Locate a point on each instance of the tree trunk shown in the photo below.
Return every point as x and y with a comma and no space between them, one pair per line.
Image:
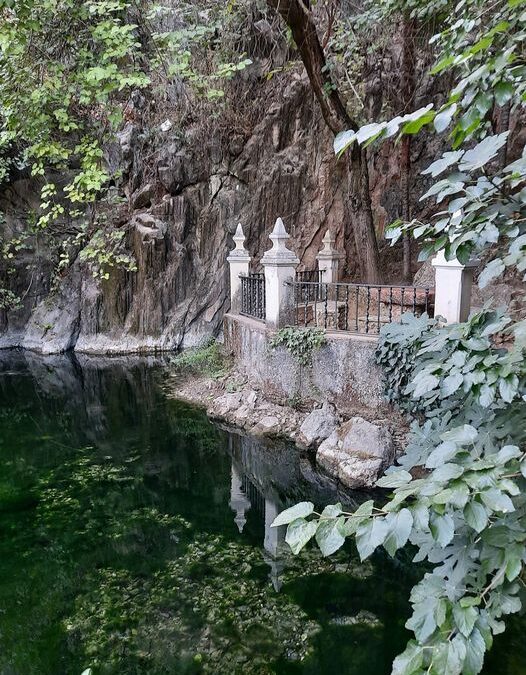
297,15
408,86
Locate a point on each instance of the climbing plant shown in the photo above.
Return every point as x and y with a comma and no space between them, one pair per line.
300,342
458,491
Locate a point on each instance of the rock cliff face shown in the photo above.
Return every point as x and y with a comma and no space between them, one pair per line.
185,198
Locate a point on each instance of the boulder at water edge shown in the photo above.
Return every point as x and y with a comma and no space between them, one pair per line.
357,453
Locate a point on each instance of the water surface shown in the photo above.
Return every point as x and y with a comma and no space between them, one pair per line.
134,538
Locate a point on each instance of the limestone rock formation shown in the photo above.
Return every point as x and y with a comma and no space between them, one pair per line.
318,425
357,453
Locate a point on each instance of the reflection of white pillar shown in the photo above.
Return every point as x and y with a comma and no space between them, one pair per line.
273,543
239,261
280,267
329,259
239,502
453,283
274,536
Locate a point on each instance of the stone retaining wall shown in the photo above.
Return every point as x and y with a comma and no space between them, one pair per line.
343,371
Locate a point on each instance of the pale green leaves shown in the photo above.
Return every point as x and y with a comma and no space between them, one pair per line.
329,535
410,661
442,529
483,152
448,657
399,525
370,535
394,479
406,124
497,500
465,618
299,533
301,510
476,515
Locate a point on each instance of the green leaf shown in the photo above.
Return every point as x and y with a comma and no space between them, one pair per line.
299,533
394,479
301,510
424,384
440,165
370,535
483,152
447,472
400,525
497,500
476,515
508,388
465,618
475,649
503,92
492,270
508,452
444,117
351,524
463,435
329,537
332,511
442,529
448,657
410,661
451,384
441,454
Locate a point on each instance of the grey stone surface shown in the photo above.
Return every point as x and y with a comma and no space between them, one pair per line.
318,425
357,453
343,371
267,425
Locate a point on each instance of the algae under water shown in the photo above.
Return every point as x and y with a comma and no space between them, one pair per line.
135,538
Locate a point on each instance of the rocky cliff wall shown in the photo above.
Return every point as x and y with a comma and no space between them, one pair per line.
185,195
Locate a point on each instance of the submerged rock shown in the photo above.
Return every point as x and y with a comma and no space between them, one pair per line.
357,453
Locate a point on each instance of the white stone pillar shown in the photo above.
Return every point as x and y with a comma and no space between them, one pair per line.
453,282
239,261
280,267
329,259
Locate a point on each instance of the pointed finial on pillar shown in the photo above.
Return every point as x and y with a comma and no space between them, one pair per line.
329,259
279,253
239,263
239,252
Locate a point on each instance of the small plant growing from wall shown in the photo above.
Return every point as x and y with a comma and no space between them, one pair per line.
208,360
300,342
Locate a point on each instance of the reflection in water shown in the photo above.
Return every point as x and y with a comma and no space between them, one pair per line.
135,538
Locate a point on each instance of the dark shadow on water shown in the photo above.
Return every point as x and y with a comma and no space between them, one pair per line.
135,538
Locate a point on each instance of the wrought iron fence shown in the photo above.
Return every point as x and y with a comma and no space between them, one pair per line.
357,308
253,295
308,283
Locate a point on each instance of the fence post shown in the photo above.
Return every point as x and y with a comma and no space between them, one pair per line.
280,267
329,259
453,283
239,262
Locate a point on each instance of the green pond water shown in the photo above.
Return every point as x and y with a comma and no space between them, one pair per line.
134,538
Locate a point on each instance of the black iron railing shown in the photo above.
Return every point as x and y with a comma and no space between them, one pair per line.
357,308
253,295
308,283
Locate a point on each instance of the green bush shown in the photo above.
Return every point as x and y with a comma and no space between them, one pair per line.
208,359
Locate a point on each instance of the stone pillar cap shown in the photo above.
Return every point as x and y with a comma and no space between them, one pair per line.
328,252
239,253
279,254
